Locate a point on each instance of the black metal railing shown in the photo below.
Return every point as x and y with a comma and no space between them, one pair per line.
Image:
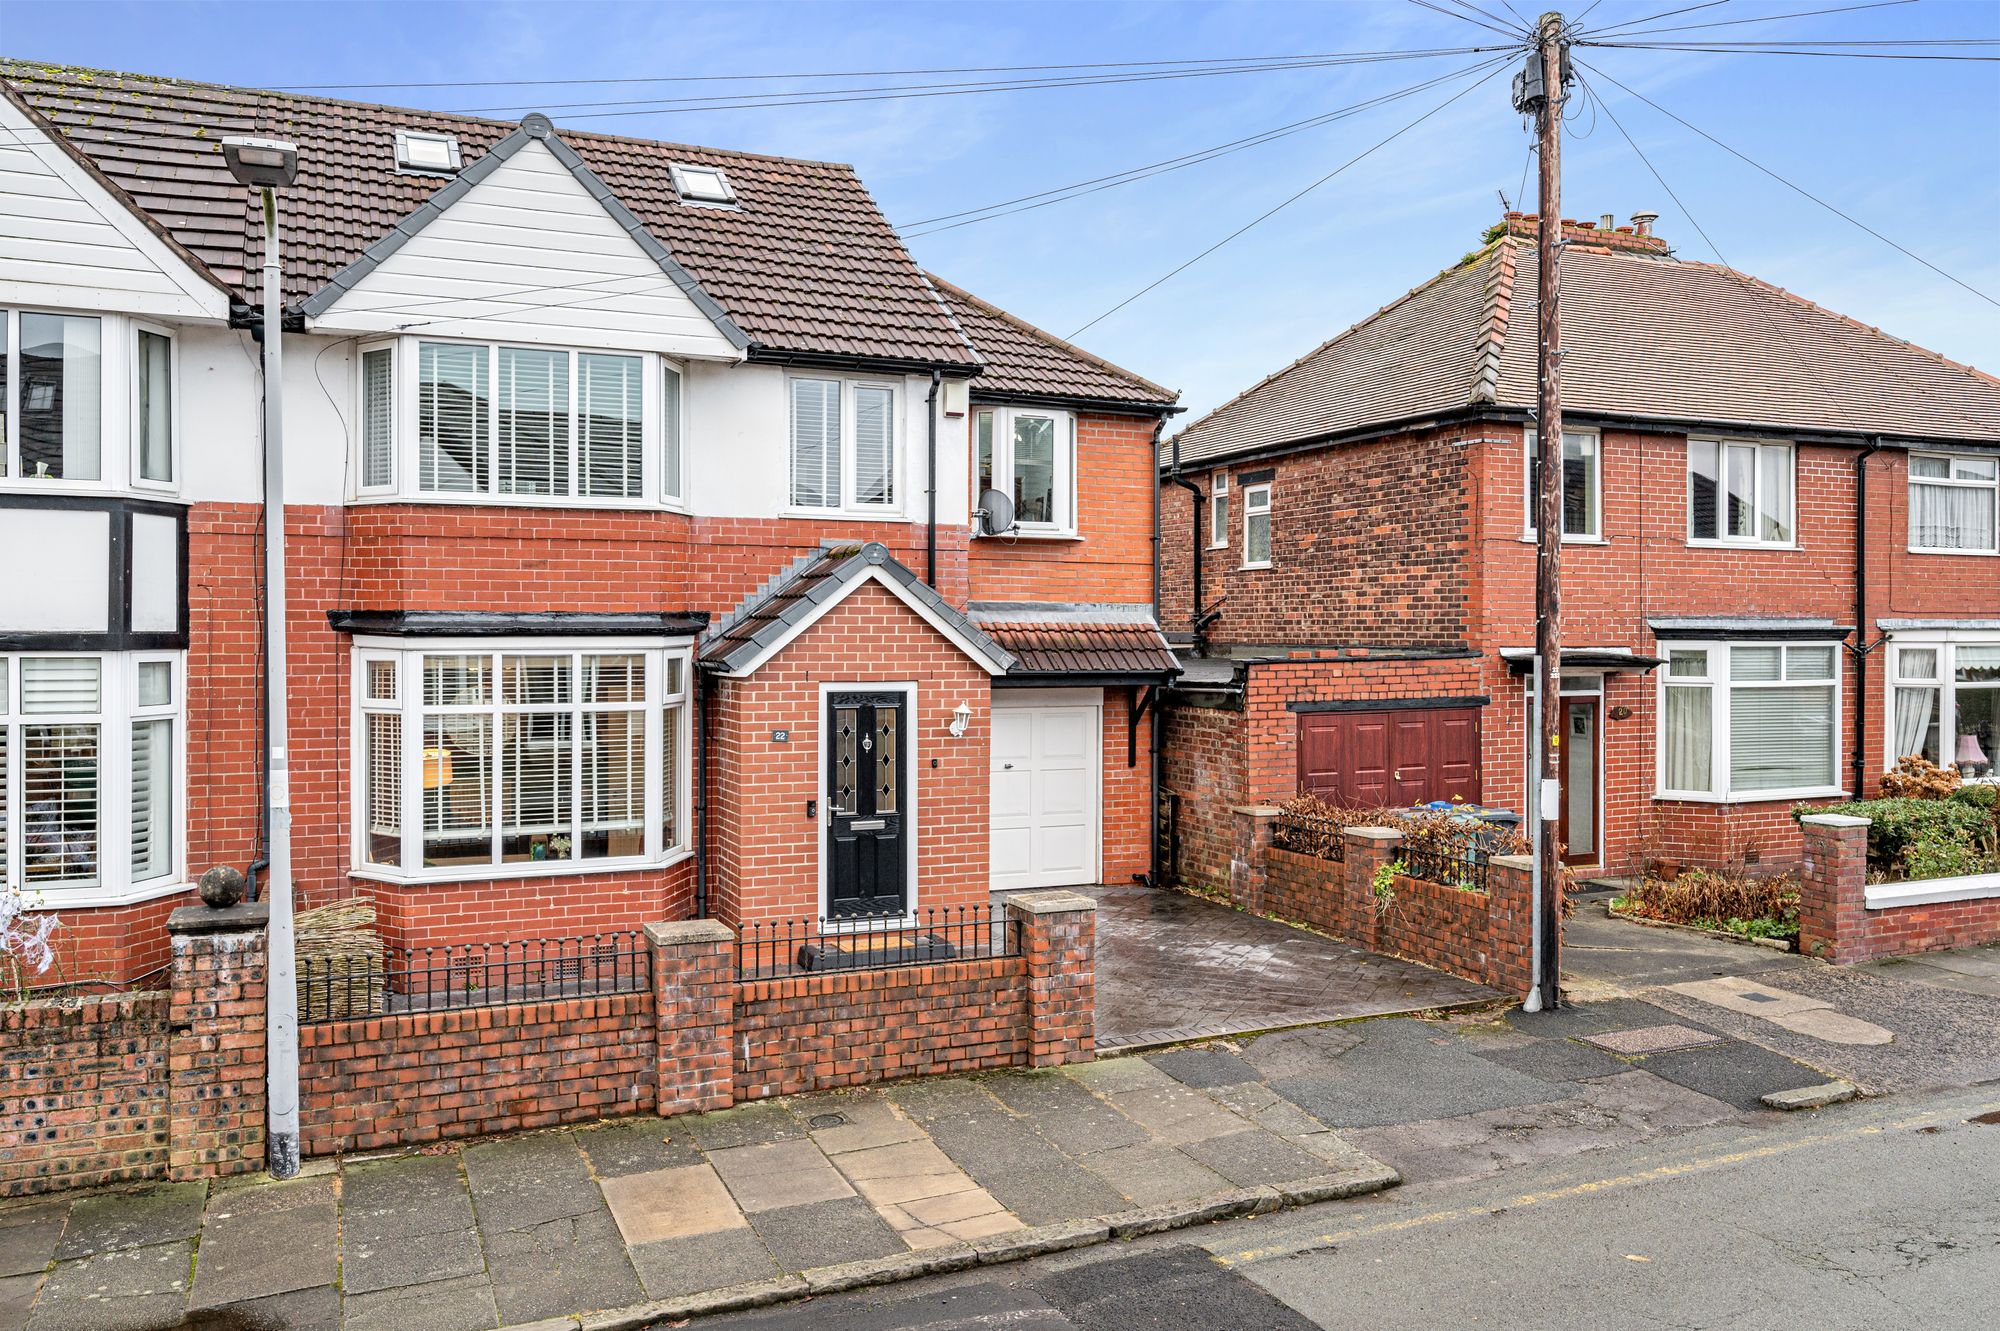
770,949
473,975
1454,861
1315,834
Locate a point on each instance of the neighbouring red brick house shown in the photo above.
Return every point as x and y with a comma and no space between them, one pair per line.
1779,566
636,570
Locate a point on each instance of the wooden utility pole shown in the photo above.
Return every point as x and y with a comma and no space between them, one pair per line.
1552,50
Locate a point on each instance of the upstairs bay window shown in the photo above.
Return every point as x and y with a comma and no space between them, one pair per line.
844,452
87,402
1583,486
1945,705
91,775
1740,493
1955,503
1029,454
1749,721
529,759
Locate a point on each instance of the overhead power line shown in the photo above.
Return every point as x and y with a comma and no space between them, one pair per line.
1500,28
1653,18
1796,189
1766,50
1287,202
1767,18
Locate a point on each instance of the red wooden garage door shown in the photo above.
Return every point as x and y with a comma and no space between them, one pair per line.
1404,755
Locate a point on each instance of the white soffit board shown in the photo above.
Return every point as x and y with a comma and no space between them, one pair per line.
156,553
74,546
67,241
526,254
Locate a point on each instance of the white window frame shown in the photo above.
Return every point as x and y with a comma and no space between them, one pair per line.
1266,510
1218,510
405,166
136,460
1719,684
673,428
116,456
1528,497
849,506
1953,482
1945,643
397,432
118,708
408,654
680,171
406,464
1722,538
1064,482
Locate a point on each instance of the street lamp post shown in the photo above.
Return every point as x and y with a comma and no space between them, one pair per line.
268,165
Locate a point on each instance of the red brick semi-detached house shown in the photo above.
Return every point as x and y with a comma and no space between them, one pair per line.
632,504
1779,564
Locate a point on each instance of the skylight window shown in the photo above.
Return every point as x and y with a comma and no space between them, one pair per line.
427,154
702,184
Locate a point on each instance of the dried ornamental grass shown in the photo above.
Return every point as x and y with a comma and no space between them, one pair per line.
340,961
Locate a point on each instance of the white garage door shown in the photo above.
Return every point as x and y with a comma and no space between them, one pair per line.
1045,776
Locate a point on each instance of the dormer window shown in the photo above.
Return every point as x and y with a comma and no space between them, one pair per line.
426,154
702,184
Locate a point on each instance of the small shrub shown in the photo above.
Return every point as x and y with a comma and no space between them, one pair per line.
1922,838
1706,897
1916,777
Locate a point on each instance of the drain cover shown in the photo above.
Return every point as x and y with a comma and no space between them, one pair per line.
826,1120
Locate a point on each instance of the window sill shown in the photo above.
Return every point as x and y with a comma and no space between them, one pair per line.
1752,796
1971,554
1251,568
83,898
480,873
1530,538
1694,544
522,501
846,514
1017,534
17,485
1932,891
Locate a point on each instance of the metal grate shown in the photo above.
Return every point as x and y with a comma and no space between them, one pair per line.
473,975
1455,863
775,948
1314,834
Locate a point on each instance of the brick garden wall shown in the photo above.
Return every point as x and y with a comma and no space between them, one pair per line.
83,1092
1202,763
1836,922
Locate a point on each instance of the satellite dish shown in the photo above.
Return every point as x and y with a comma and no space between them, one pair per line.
995,512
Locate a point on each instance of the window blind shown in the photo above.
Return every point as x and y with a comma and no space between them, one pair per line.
156,407
1780,738
533,424
55,684
609,404
453,426
62,396
670,432
874,446
614,783
383,801
377,418
670,781
536,762
59,803
152,799
816,443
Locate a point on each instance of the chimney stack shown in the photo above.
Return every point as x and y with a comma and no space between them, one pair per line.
1642,223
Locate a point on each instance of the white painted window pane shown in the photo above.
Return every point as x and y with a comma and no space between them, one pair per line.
874,446
1756,663
1739,464
1780,738
1916,723
615,678
6,822
377,418
60,780
1774,494
1035,469
1704,490
6,395
670,779
1952,517
534,681
152,799
614,784
156,407
1809,663
610,410
383,801
1579,497
533,399
456,681
1976,665
1917,662
1690,737
815,443
1978,730
1257,537
983,433
537,765
1688,663
382,681
156,683
51,684
671,425
1976,469
61,396
1926,465
453,428
458,790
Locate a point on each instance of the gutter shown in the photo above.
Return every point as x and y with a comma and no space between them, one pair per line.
1862,650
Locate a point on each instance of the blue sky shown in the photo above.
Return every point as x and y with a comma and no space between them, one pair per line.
1910,147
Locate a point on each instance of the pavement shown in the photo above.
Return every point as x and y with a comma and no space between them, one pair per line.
1173,967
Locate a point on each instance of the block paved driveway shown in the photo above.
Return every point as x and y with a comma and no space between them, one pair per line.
1173,967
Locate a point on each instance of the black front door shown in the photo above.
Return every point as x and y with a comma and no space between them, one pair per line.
866,859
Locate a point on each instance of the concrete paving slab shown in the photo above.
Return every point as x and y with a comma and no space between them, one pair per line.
1203,1067
1064,1112
774,1174
293,1311
640,1145
1118,1074
28,1236
1152,1174
950,1209
743,1125
409,1259
700,1262
1653,1105
826,1234
1834,1027
1747,996
268,1240
566,1265
1812,1097
1177,1115
385,1200
1248,1159
1007,1157
1733,1072
523,1181
464,1304
670,1204
126,1289
902,1171
1553,1060
868,1119
17,1298
132,1218
1651,1039
1406,1071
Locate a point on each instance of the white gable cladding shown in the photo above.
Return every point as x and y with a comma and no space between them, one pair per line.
527,254
67,241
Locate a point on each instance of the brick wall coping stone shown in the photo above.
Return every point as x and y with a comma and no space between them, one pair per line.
1836,820
1931,891
1525,863
243,917
1382,834
1051,901
1257,810
669,932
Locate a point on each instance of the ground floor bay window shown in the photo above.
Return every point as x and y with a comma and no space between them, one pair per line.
1749,721
481,760
1944,703
91,776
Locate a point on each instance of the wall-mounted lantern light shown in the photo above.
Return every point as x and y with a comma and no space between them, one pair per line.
961,717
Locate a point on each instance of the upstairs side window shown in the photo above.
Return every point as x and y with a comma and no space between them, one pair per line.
845,451
1218,511
1582,485
1954,503
53,381
1257,526
1030,455
1740,493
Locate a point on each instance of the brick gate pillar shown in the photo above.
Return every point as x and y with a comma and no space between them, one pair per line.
1059,944
694,994
1510,924
1367,850
1253,826
215,1041
1833,903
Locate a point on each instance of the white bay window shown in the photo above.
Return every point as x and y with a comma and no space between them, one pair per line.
1945,703
1029,454
529,757
1749,721
91,776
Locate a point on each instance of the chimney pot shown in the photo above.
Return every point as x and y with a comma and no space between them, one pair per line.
1642,223
1606,222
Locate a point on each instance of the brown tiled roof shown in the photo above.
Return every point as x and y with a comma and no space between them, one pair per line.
1086,649
806,263
1643,336
1021,358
